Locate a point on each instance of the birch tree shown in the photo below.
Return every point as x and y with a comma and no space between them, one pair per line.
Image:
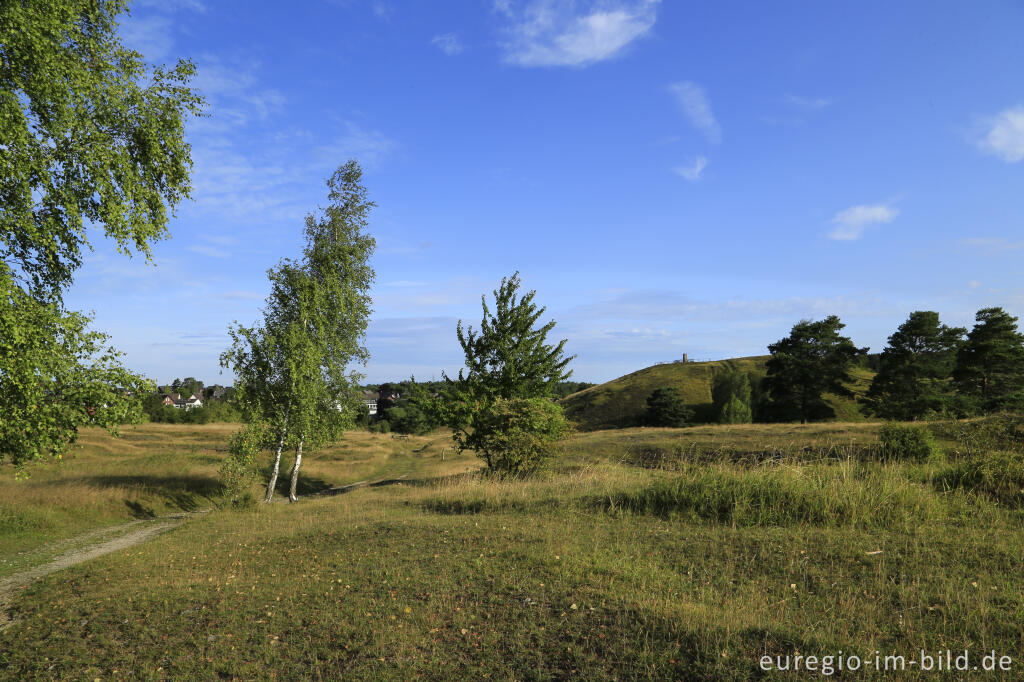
292,370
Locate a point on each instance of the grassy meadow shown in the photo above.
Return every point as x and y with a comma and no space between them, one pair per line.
639,553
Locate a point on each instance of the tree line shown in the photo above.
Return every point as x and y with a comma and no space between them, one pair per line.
926,370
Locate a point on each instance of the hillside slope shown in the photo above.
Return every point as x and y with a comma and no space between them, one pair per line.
621,402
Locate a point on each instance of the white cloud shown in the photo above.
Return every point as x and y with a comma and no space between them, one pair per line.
448,43
849,224
693,171
208,251
808,103
554,33
1005,135
697,107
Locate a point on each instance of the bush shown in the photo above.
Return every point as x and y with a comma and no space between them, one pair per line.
735,411
903,442
515,437
239,473
997,475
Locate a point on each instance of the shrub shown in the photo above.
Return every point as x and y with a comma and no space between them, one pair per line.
239,473
515,437
735,411
908,442
997,475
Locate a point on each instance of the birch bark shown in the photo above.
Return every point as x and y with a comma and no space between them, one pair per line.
295,470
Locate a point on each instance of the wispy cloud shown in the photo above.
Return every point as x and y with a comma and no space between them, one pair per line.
557,33
448,43
694,102
849,224
208,251
993,243
1004,135
693,171
808,103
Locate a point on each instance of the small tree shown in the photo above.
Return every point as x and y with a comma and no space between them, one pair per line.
666,407
812,360
990,365
914,369
735,412
731,389
292,370
509,368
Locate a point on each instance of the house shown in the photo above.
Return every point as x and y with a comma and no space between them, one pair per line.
370,399
179,401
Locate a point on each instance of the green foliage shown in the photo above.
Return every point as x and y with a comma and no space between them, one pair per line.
239,473
507,360
990,365
515,437
975,436
91,136
413,412
666,407
908,442
914,370
55,376
812,360
291,371
997,475
731,397
735,412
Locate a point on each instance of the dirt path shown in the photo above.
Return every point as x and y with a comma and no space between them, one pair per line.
11,584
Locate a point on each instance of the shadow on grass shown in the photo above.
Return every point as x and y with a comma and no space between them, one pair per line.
184,492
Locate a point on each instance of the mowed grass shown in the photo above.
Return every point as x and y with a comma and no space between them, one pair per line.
598,569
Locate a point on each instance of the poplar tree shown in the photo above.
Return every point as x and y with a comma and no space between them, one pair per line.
292,370
914,369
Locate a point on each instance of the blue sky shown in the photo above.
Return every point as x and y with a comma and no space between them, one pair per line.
670,177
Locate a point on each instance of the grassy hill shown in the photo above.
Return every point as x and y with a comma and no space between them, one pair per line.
621,402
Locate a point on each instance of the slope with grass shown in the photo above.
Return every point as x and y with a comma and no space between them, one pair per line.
621,403
605,567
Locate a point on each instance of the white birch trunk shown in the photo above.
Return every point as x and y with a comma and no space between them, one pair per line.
277,467
295,470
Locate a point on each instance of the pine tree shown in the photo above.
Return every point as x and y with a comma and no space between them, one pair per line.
915,367
990,365
813,360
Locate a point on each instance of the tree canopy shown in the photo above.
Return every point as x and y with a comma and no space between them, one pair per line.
914,369
507,360
292,370
813,360
90,137
990,364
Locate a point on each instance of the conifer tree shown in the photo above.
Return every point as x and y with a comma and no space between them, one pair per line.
813,360
510,371
915,367
989,368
